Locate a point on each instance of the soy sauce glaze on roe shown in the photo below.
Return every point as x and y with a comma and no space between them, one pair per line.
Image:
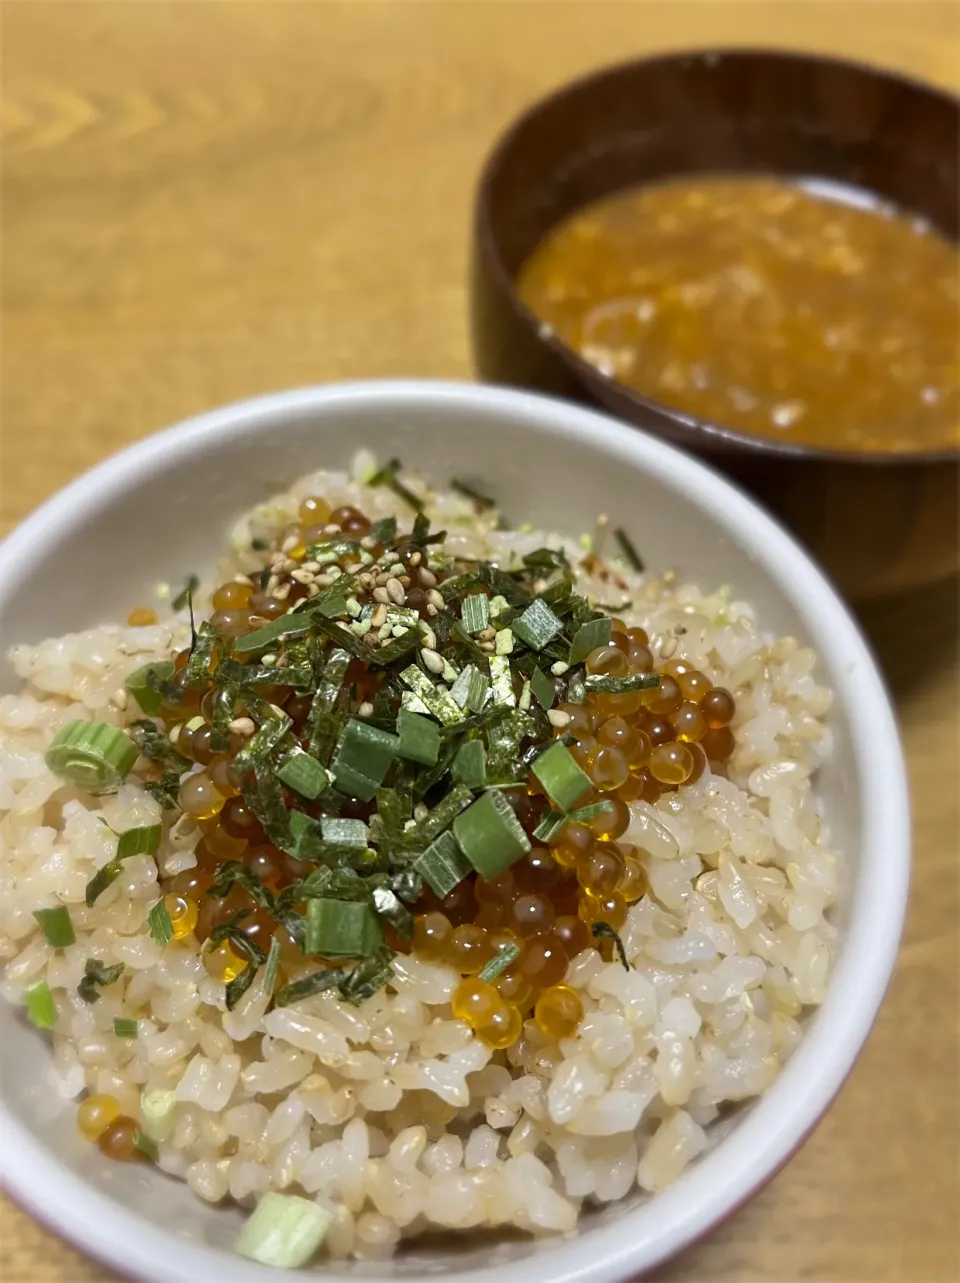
403,751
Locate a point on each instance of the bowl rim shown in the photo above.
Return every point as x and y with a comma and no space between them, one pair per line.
719,437
779,1121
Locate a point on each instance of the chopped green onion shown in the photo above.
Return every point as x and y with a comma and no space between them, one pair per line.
499,962
138,684
630,554
144,840
620,685
477,691
343,832
388,906
97,975
362,758
490,835
56,926
185,596
388,476
41,1011
538,625
146,1145
551,822
325,553
385,531
92,756
603,930
443,865
542,561
474,613
303,773
391,651
273,963
470,492
576,688
437,699
161,928
561,776
317,982
341,929
156,1112
286,626
470,764
544,691
419,738
125,1028
103,878
284,1231
589,636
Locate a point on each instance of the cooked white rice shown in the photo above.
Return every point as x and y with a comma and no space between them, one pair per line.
392,1115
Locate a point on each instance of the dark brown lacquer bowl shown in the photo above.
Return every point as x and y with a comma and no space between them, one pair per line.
877,523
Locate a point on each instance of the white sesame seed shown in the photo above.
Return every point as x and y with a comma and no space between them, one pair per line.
313,590
556,718
273,583
241,726
365,709
381,579
559,668
398,568
268,661
487,646
432,610
312,566
371,639
368,542
434,598
174,734
282,592
331,528
487,634
432,660
119,698
669,648
365,578
415,559
379,616
243,579
324,581
429,638
289,543
427,577
302,576
420,811
404,580
381,595
395,591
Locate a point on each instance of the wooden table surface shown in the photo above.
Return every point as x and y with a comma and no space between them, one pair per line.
208,200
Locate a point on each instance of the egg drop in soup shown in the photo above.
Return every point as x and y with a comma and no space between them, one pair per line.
804,313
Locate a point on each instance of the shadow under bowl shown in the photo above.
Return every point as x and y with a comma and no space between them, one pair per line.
878,523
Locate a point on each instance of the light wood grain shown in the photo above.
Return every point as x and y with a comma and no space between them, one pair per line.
204,201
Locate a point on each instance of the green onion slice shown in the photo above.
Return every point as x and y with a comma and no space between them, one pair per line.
92,756
98,975
41,1011
286,626
538,625
342,929
603,930
389,476
344,832
471,492
362,758
490,835
284,1231
141,684
544,690
56,926
470,764
500,962
419,738
589,636
125,1028
185,596
161,928
303,773
474,613
443,865
630,554
273,963
561,776
144,840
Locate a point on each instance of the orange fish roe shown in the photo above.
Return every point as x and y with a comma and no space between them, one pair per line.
141,617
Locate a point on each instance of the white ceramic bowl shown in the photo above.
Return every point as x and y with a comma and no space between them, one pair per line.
160,510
